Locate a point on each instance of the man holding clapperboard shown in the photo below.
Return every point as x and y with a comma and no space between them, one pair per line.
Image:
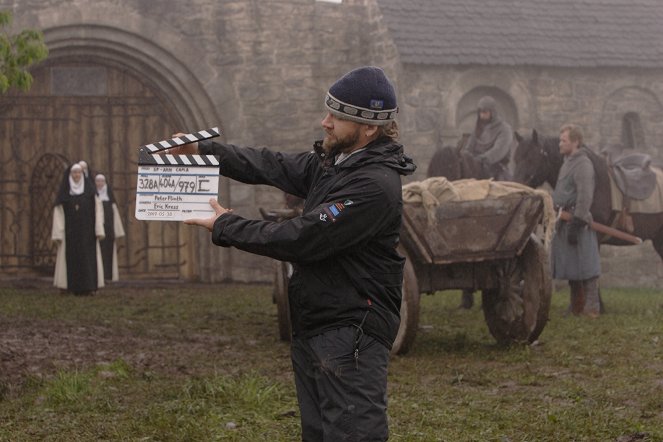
345,292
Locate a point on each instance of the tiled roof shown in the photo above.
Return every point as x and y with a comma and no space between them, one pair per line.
567,33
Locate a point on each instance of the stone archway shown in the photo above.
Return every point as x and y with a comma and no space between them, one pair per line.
509,87
642,109
98,99
151,63
86,110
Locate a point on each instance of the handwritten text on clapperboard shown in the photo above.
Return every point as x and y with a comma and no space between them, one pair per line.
175,193
176,187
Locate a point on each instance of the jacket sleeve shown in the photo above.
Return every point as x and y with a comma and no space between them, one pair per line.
345,222
291,173
501,147
583,177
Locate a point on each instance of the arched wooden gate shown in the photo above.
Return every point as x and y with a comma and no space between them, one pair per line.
82,111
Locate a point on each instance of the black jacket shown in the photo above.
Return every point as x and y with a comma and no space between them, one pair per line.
343,247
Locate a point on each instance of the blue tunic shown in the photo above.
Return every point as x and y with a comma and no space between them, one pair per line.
573,192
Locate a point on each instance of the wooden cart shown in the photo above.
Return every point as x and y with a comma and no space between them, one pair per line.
488,245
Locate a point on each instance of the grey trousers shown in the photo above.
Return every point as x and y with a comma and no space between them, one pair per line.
341,397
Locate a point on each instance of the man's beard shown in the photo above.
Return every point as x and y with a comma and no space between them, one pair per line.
335,146
481,124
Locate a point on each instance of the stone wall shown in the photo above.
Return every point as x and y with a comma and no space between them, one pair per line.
544,99
259,70
597,99
256,68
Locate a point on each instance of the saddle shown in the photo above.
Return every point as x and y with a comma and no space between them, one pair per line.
636,180
634,176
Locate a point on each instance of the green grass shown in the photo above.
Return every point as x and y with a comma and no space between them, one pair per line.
204,363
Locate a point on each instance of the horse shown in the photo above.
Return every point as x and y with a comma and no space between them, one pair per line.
455,163
537,161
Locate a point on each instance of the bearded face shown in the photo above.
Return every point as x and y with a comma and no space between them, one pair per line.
337,141
485,115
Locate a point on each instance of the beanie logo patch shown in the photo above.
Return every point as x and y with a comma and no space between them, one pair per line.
377,104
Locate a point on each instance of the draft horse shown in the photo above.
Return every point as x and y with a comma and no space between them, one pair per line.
455,163
537,161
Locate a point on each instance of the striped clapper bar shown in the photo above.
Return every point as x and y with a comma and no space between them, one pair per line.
176,187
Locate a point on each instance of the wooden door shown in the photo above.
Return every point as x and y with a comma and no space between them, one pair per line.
92,112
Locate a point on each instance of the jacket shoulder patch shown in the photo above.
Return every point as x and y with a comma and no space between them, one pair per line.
333,211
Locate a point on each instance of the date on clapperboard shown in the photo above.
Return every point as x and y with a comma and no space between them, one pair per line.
176,187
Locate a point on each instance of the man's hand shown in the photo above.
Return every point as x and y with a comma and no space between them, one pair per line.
575,225
483,162
185,149
208,223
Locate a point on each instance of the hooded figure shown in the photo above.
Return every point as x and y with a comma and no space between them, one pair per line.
492,140
490,144
112,227
77,226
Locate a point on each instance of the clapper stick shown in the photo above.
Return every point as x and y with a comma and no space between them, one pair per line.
176,187
150,149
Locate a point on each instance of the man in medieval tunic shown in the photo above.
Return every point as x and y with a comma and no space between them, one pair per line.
112,227
490,144
77,226
575,252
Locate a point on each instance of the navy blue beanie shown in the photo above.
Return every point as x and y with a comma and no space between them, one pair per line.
364,95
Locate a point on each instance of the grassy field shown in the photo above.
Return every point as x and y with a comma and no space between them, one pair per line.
203,363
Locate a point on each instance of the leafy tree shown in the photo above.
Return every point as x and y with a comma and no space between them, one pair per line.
17,53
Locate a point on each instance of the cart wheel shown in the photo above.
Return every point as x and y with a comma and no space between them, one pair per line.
283,273
407,330
517,311
539,266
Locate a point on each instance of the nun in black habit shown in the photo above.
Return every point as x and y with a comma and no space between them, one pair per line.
78,225
112,226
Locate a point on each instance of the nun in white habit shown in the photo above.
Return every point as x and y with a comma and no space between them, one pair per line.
112,226
78,225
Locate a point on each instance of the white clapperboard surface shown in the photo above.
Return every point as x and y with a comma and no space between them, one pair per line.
176,187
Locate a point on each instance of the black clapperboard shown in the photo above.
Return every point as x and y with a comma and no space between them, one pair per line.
176,187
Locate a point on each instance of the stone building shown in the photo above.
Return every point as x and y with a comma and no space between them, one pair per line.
122,74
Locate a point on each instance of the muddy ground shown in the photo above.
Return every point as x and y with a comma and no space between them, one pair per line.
38,348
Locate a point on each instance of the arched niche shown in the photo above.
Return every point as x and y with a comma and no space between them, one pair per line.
466,111
632,116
